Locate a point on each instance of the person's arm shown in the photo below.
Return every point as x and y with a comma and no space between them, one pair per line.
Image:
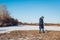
43,23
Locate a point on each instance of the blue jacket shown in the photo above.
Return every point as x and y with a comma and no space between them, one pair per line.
41,22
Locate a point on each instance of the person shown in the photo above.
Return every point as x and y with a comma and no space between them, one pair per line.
41,24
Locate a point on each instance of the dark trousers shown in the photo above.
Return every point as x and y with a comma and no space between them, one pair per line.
41,28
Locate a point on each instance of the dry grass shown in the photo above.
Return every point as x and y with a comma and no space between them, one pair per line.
30,35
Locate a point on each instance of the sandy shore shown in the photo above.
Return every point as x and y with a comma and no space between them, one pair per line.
30,35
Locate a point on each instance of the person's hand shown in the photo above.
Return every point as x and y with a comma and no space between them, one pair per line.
44,24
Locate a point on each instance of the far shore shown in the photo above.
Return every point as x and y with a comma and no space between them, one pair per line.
37,24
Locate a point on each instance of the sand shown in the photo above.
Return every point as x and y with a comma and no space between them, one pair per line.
30,35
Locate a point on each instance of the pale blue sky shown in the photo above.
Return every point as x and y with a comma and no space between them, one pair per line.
31,10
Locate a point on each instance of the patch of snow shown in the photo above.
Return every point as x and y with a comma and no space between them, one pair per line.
12,28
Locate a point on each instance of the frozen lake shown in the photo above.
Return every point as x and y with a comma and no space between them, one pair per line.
8,29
